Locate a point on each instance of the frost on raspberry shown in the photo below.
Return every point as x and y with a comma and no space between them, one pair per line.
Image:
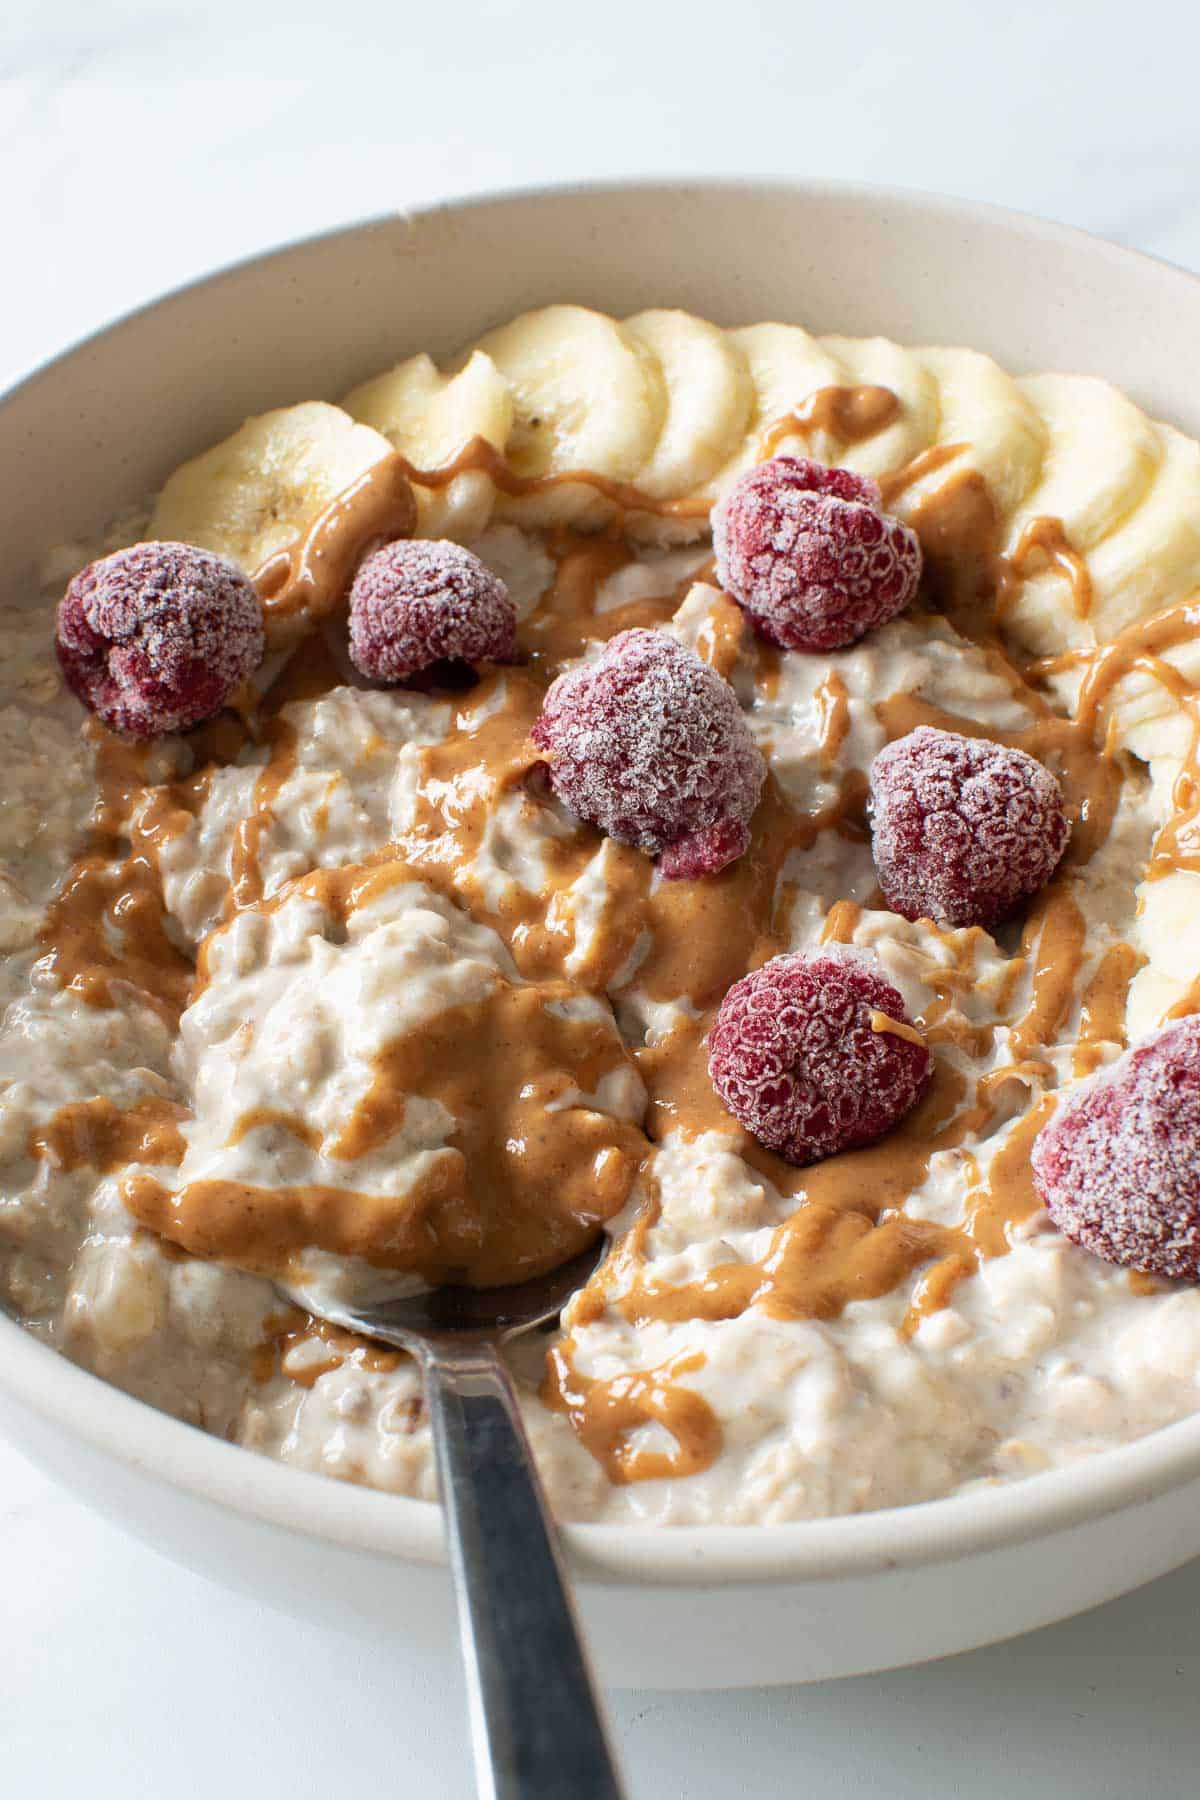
804,1054
1118,1165
963,830
650,744
811,556
156,638
416,602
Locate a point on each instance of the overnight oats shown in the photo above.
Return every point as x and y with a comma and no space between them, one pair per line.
735,791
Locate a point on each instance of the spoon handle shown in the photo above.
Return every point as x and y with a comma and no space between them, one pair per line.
536,1723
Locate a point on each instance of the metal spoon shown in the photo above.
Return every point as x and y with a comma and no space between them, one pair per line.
536,1724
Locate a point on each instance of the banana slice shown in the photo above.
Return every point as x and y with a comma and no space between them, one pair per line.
258,491
1168,931
982,408
1101,457
1149,565
429,417
710,398
787,365
876,362
1143,714
1153,559
586,395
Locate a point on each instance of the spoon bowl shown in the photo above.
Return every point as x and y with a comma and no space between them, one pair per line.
497,1313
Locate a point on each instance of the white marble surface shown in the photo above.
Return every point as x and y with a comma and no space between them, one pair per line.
141,145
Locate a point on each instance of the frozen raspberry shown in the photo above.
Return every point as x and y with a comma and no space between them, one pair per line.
649,743
1118,1166
802,1055
811,556
963,829
155,638
704,852
414,603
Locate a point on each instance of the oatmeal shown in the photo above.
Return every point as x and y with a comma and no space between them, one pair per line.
342,984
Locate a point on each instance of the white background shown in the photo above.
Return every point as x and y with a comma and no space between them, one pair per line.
140,147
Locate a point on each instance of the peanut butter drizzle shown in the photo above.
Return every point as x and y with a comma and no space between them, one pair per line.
926,462
1102,1012
959,529
566,621
841,921
934,1289
479,457
848,414
880,1021
97,1134
1141,649
104,931
1043,542
301,586
1186,1005
527,1179
101,902
606,1414
720,639
245,872
487,754
996,1204
294,1330
1052,948
275,1118
833,717
1007,1196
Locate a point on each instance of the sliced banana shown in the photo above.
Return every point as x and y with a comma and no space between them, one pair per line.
1168,931
1102,455
1153,558
787,366
586,395
258,491
1143,713
1149,565
983,409
876,362
678,408
429,418
710,399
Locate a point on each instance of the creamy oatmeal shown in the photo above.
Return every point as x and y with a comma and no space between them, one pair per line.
334,983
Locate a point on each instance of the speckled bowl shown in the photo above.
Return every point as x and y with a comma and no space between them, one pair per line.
100,426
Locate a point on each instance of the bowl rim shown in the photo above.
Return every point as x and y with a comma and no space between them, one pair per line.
356,1518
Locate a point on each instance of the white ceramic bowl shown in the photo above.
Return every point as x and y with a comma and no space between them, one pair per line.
100,426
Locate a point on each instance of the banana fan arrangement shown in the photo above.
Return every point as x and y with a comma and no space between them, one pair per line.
677,408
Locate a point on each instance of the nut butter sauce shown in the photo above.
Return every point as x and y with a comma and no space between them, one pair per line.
843,1232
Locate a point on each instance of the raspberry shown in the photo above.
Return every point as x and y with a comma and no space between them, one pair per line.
1118,1165
963,829
811,556
796,1057
414,603
704,852
649,743
155,638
